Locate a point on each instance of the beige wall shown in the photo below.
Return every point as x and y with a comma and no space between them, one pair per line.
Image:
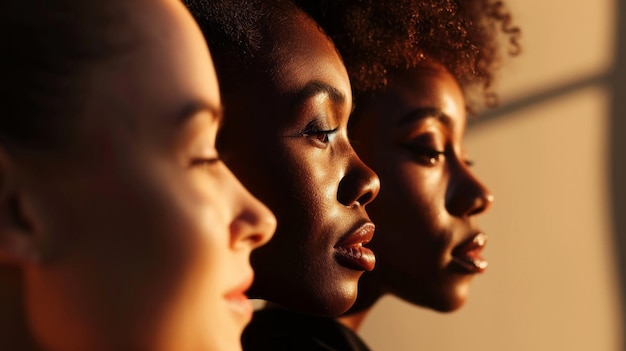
552,283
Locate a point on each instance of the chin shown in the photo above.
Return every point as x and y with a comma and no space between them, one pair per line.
330,299
452,299
448,305
444,299
332,302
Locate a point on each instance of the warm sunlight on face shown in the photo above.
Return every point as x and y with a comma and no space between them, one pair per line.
429,245
147,234
289,145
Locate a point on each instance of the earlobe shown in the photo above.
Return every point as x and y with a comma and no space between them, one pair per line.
17,237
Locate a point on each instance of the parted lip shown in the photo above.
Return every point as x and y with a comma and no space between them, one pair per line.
350,252
238,303
362,234
467,255
241,288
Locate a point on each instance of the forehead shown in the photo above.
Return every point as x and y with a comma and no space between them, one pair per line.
167,68
411,96
430,87
429,82
302,53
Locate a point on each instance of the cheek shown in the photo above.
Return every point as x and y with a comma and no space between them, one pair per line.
409,191
312,180
199,212
120,254
410,209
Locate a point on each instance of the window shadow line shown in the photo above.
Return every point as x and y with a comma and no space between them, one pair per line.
603,78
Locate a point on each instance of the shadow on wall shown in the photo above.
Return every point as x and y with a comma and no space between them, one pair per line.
615,79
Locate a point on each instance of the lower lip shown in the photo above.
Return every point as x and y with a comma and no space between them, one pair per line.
240,305
356,257
470,262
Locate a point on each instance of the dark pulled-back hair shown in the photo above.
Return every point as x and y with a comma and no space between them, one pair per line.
377,38
238,33
46,50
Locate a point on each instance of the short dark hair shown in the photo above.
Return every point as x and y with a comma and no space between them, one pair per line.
46,49
377,38
238,34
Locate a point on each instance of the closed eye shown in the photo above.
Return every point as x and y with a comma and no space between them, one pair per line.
204,162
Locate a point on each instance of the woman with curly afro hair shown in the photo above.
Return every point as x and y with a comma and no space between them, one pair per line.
417,67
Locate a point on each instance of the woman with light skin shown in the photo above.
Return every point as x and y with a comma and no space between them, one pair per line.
287,101
413,65
120,228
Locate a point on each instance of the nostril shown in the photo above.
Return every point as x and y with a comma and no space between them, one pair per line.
481,204
253,227
257,239
359,186
365,198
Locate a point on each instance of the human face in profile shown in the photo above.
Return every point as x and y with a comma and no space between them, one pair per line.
286,138
428,244
142,235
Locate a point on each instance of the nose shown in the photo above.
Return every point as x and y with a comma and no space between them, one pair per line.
253,224
466,195
360,185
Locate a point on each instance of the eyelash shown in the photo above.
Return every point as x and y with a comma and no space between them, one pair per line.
205,162
426,155
433,156
322,136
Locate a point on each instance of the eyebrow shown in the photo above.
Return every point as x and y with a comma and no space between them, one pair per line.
315,88
424,113
195,107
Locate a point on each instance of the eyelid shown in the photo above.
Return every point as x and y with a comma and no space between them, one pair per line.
315,125
425,155
321,131
318,127
328,135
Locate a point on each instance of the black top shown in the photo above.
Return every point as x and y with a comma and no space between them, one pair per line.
274,329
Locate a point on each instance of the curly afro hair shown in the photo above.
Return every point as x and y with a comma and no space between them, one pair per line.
377,38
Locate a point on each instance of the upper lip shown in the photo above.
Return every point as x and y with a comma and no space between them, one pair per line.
474,243
242,287
361,234
476,240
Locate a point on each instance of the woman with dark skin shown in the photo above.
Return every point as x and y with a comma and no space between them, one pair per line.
120,228
412,64
287,98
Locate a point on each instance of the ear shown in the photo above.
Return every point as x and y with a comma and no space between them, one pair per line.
17,234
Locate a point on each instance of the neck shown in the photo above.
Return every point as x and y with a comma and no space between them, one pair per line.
369,293
353,321
14,331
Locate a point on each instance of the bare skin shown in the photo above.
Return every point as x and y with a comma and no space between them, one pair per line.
303,167
137,236
429,246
